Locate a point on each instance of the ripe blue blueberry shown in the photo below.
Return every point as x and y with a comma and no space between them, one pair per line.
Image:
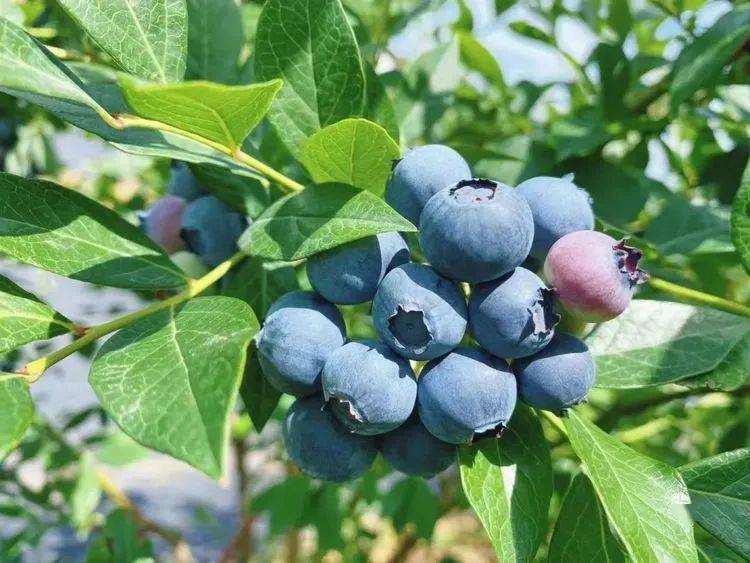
162,223
369,387
559,207
211,229
351,273
184,184
466,396
323,448
558,377
422,173
301,330
594,275
411,449
513,316
476,230
418,313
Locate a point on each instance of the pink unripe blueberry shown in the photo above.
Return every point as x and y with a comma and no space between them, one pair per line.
162,223
593,274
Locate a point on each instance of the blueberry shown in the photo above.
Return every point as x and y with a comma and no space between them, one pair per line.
422,173
301,330
411,449
466,395
418,313
559,207
476,230
513,316
323,448
7,133
558,377
211,229
351,273
594,275
162,222
184,184
369,388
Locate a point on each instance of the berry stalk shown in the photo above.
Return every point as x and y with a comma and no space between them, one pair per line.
700,297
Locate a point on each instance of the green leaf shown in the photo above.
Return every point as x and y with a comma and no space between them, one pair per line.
120,449
582,531
243,190
259,283
732,372
465,20
170,380
619,18
720,497
411,501
215,39
286,502
24,318
508,482
85,496
325,512
259,396
64,232
378,105
224,114
353,151
311,47
614,70
644,499
27,67
684,228
11,11
16,411
740,221
148,39
476,57
657,342
119,542
578,135
700,63
530,31
318,218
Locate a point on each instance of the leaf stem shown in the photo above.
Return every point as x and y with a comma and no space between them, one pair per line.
34,370
700,297
124,121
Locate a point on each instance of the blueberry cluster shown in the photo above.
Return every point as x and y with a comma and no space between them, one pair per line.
189,222
355,398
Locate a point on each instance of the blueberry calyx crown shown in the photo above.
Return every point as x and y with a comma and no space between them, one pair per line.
544,315
493,432
628,258
475,190
409,329
344,409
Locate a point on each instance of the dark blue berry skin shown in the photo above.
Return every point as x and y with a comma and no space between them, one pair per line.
422,173
323,448
351,273
476,231
418,313
513,316
559,207
210,228
184,184
300,332
411,449
558,377
466,395
369,387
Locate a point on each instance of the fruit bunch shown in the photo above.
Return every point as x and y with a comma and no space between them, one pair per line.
196,228
424,386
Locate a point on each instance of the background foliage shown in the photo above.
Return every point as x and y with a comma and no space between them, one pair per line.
647,103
